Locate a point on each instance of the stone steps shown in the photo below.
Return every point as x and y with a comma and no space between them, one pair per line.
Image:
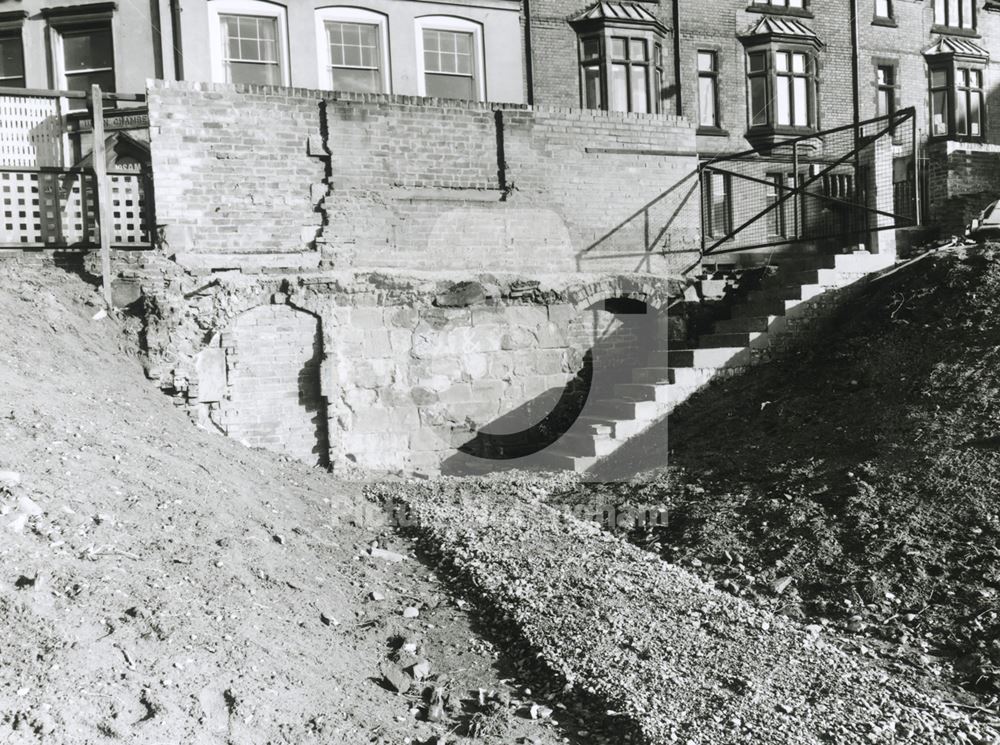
671,375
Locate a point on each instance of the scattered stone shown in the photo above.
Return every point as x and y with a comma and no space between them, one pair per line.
410,612
376,595
395,678
779,585
391,556
9,479
421,670
328,620
278,538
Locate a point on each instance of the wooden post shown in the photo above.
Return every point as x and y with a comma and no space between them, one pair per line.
104,209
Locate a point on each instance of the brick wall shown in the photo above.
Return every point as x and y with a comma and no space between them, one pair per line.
422,184
231,169
273,355
418,184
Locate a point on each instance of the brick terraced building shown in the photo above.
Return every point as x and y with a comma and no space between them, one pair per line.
753,72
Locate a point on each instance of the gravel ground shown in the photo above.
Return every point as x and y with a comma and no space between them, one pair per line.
669,657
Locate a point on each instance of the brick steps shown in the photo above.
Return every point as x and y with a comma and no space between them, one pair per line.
673,374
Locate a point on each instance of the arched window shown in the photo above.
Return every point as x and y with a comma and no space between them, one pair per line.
353,46
450,60
248,41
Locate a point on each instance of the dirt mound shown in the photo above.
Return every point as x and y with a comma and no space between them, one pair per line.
857,480
161,584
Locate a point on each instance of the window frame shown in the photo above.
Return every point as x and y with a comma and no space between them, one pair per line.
770,75
891,88
956,27
12,26
254,8
604,63
780,7
351,15
952,66
713,76
76,19
460,25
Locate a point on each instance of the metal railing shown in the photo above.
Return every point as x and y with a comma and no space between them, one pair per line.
836,184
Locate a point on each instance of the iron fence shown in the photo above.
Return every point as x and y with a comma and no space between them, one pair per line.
821,188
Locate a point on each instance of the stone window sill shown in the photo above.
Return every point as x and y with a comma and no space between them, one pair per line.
712,132
887,22
955,31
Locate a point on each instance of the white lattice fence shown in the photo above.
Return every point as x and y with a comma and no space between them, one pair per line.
31,132
57,209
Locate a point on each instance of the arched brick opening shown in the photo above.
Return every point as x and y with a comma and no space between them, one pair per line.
619,321
274,398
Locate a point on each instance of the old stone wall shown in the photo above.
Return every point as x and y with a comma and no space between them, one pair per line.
389,372
421,184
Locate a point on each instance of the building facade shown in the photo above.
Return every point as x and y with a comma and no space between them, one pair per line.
468,50
751,73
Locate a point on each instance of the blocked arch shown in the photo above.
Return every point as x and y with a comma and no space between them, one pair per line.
654,293
279,386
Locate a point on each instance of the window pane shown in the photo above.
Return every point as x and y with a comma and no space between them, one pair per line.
619,88
781,61
975,114
640,89
450,86
967,14
261,73
961,114
591,49
617,48
939,116
940,12
758,101
88,49
757,62
977,78
82,81
251,38
939,78
592,88
801,97
11,59
706,101
454,55
361,81
884,103
784,99
795,3
720,205
706,61
882,8
798,63
637,49
952,12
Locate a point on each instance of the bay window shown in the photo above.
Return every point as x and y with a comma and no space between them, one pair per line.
781,89
621,58
956,70
782,80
